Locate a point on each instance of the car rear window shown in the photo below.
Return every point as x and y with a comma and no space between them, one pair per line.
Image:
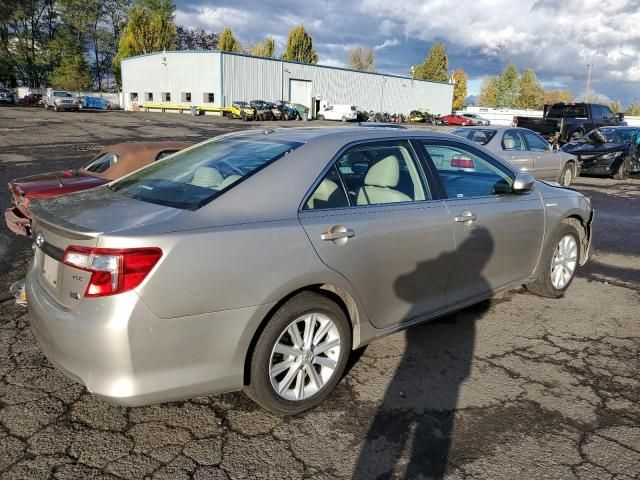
567,111
478,135
194,177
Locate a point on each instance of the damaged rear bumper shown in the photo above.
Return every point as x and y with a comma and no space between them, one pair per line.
17,222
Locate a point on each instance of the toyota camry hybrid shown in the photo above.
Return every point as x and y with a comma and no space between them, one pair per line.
259,260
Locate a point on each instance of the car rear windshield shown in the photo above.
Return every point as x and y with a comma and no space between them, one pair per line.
194,177
567,111
478,135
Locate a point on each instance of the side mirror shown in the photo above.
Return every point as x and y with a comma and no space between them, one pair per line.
523,183
555,147
620,116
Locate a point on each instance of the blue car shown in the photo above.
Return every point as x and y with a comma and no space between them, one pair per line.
94,103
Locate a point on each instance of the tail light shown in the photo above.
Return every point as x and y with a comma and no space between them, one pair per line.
462,162
112,270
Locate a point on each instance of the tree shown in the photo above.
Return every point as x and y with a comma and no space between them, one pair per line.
531,92
189,38
459,88
557,96
227,42
362,59
633,109
146,31
435,66
265,49
508,87
488,92
71,74
300,47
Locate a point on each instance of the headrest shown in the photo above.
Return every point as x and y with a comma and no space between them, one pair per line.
206,177
509,143
385,173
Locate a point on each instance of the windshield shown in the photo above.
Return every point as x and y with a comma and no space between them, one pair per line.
612,135
567,111
61,94
194,177
478,135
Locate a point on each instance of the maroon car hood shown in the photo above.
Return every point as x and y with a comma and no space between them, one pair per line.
50,184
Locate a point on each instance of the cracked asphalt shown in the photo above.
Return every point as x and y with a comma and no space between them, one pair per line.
519,387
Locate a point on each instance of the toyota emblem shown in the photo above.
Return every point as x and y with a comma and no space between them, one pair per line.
40,240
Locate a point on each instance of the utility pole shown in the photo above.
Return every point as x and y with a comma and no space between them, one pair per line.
586,93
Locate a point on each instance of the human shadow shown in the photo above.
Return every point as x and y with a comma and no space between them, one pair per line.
410,435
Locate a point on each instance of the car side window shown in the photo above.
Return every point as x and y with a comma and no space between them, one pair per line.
380,173
467,173
535,142
329,193
607,114
164,153
512,141
101,163
597,113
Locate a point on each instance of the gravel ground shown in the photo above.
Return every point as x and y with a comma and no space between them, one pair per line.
519,387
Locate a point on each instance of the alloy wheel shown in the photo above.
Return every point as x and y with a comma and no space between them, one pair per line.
305,356
566,179
564,261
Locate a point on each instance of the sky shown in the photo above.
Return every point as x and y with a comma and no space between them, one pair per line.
558,39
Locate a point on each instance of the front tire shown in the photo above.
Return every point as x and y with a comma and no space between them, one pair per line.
321,117
566,176
300,355
558,263
624,170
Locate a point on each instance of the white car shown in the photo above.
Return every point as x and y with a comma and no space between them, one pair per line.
344,113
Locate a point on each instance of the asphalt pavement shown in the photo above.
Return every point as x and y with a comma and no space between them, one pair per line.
519,387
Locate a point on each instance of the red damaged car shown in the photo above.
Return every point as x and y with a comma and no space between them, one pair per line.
456,120
110,164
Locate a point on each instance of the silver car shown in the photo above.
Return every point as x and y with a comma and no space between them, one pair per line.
259,260
476,119
527,151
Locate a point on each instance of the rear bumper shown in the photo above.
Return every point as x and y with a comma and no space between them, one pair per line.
122,352
17,222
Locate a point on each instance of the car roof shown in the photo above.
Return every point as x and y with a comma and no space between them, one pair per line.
346,134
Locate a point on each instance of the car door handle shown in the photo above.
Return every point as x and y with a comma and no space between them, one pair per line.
466,218
338,234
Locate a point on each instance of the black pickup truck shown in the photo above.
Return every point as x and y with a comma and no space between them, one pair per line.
562,122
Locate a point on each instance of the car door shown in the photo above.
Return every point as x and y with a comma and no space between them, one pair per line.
546,162
372,219
498,234
515,150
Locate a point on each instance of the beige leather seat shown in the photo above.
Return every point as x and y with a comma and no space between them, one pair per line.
322,194
228,181
380,181
206,177
509,143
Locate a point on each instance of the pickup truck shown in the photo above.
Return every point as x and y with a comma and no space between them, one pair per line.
61,100
562,122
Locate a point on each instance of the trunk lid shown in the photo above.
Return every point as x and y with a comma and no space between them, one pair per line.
81,219
50,184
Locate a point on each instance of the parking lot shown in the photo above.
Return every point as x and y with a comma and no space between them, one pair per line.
519,387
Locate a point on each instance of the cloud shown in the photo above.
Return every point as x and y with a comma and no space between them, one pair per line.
387,43
556,39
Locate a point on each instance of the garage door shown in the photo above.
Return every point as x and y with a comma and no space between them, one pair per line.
300,92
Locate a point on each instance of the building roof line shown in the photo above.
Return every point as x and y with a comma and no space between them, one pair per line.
286,62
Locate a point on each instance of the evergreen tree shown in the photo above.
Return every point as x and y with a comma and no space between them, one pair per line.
71,74
300,47
508,87
459,88
531,92
435,66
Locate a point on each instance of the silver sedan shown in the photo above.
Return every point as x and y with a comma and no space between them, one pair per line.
259,260
527,151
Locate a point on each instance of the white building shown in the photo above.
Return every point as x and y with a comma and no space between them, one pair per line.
213,78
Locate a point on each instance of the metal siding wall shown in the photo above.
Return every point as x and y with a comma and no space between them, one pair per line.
194,72
248,78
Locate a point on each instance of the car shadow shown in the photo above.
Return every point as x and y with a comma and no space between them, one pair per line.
410,434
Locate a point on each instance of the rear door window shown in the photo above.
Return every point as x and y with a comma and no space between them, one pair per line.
513,141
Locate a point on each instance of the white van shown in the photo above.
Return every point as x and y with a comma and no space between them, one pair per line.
345,113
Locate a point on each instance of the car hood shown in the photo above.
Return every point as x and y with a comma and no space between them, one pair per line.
101,210
591,149
50,184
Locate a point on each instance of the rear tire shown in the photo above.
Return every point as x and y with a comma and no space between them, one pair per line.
311,374
624,170
566,176
321,117
558,263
